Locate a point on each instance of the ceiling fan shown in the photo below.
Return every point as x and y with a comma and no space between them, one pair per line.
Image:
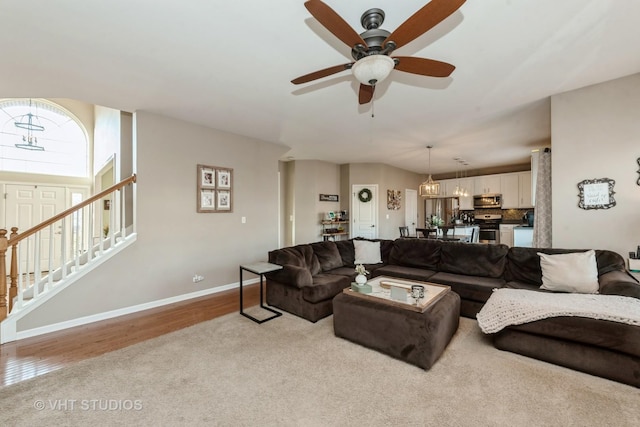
371,50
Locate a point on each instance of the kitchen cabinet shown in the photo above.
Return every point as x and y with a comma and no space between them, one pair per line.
510,187
525,190
523,236
446,187
516,190
506,234
466,203
487,184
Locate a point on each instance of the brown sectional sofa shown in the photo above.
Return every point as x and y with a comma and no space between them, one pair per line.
314,273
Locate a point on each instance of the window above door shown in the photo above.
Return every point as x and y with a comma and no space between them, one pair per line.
39,136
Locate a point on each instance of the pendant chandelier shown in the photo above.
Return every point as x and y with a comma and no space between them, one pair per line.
30,122
460,191
430,188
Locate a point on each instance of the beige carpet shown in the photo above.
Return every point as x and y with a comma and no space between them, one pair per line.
231,371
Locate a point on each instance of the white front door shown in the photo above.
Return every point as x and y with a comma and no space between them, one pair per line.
364,220
29,205
411,210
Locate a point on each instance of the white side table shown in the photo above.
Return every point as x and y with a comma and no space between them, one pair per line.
259,268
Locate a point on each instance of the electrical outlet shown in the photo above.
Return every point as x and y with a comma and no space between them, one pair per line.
197,278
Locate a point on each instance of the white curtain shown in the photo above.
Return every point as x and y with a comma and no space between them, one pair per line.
542,218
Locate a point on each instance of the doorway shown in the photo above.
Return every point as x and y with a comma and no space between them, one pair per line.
29,205
364,221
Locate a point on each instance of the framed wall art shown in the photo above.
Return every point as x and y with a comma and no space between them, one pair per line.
596,193
214,189
394,197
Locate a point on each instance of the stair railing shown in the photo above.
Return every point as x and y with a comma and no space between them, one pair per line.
77,244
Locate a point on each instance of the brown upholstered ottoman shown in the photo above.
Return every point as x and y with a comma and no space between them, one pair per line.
415,337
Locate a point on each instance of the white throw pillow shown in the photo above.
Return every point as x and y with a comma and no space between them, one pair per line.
367,252
574,272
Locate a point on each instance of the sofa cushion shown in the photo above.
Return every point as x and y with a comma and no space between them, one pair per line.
347,252
574,272
601,333
475,288
473,259
619,283
291,275
418,253
300,256
367,252
403,272
325,286
523,264
328,255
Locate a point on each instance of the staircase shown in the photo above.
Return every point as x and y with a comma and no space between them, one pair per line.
51,256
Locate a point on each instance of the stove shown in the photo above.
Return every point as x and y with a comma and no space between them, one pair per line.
489,225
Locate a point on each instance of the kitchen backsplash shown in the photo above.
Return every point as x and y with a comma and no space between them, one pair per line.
507,214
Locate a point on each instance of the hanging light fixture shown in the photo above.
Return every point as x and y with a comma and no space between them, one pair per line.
430,188
458,191
30,122
465,192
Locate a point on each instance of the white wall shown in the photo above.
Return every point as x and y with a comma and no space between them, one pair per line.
106,138
595,133
174,242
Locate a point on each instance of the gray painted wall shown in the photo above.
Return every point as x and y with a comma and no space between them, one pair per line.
596,134
387,178
174,242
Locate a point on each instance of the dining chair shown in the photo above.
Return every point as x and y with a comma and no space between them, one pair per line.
404,231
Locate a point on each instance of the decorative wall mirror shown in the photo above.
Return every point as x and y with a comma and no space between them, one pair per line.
596,193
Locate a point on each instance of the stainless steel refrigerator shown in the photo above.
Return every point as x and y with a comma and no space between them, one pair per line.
445,208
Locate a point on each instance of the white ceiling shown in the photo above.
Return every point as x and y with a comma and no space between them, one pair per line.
228,65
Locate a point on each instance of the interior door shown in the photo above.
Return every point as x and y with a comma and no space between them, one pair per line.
29,205
411,210
365,214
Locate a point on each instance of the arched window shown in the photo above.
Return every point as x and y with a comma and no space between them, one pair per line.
38,136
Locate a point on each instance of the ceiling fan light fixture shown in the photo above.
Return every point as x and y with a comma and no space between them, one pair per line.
372,69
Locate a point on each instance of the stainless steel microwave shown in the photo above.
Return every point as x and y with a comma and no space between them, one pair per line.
487,201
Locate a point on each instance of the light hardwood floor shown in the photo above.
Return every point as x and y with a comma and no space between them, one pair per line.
28,358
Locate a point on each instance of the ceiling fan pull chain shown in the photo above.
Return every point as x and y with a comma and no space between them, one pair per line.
373,107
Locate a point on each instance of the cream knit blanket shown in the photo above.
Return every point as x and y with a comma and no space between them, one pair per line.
517,306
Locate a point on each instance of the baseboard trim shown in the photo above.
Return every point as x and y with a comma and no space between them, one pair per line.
29,333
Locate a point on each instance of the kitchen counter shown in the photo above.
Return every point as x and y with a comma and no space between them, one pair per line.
523,236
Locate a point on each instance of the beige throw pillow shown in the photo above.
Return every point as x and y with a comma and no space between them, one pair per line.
574,272
367,252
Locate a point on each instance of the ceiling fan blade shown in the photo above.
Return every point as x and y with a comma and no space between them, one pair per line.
321,73
334,23
366,94
423,66
423,20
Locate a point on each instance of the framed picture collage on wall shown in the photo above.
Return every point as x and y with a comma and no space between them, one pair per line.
215,189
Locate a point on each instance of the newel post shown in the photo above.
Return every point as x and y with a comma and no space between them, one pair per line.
3,274
13,274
